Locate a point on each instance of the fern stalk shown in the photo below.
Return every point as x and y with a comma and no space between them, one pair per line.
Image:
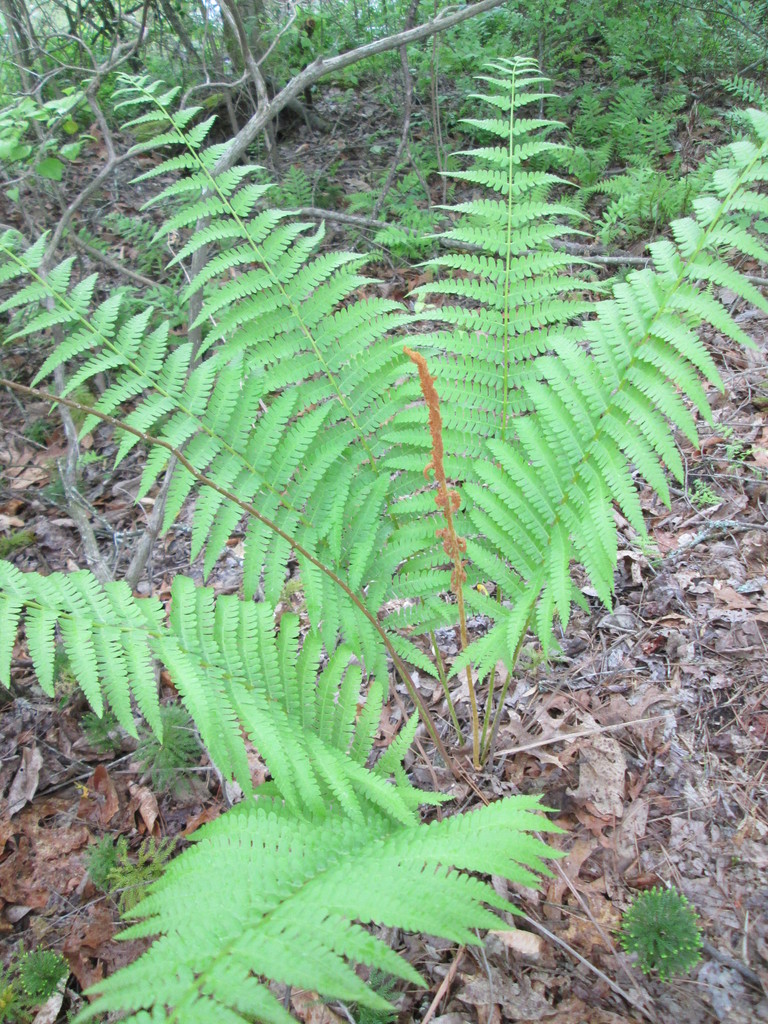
508,256
444,683
487,748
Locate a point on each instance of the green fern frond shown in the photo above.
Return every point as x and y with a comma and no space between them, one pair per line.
103,631
603,405
310,886
230,666
746,90
296,189
517,286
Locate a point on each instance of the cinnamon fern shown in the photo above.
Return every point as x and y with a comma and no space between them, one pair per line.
565,412
290,411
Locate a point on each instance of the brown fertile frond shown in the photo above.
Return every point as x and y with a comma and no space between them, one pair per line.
448,500
435,419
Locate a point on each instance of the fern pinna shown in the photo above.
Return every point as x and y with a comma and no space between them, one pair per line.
292,404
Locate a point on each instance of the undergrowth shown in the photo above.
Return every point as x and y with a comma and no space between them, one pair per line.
28,982
477,473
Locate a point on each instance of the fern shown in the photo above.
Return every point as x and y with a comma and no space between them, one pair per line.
746,91
643,199
258,886
169,761
296,190
292,405
640,126
558,417
232,670
129,880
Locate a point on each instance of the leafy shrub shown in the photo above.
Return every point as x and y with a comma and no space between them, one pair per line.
21,150
541,399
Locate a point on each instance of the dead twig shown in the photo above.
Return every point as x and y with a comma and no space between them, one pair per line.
564,737
445,985
736,965
640,1006
625,259
68,474
323,66
716,528
407,103
113,264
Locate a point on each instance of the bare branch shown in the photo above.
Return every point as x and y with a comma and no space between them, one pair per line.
68,474
321,67
407,101
149,534
347,218
230,11
113,264
281,32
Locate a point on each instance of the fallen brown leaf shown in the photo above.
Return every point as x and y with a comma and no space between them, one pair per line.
518,1001
309,1007
601,776
144,807
99,802
527,944
24,785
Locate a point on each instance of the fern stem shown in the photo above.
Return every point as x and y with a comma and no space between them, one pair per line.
508,258
444,683
488,747
251,510
476,760
487,713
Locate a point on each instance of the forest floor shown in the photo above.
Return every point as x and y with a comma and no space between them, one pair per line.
647,734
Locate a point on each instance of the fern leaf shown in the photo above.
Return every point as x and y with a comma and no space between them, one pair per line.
308,884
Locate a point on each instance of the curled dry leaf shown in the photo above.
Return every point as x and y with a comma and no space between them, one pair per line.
526,944
24,785
144,807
